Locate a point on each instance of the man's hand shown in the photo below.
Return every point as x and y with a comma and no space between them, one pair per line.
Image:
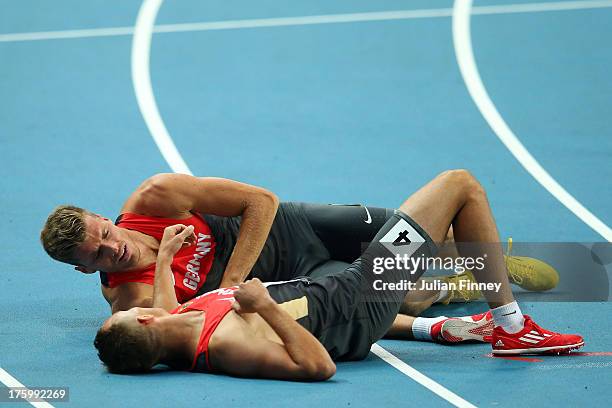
175,237
251,297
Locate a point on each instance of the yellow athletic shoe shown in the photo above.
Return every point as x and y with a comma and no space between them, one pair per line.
530,273
460,293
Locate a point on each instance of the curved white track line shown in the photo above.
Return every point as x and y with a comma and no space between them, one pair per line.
140,72
141,50
469,71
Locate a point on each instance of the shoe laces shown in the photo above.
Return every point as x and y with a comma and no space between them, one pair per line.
518,270
534,326
464,293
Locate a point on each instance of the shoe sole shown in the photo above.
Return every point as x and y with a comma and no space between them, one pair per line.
542,350
456,330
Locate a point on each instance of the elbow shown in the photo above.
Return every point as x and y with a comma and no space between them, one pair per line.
322,371
261,202
270,200
328,371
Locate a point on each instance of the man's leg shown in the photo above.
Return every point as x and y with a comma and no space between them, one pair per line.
453,198
419,300
456,198
345,228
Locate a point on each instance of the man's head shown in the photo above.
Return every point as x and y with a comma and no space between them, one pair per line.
129,341
90,242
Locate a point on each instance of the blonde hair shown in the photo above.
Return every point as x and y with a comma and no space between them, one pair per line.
63,232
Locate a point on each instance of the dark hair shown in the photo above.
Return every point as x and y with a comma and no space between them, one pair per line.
125,349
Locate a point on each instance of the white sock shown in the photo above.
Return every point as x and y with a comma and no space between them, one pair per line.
442,295
421,327
509,317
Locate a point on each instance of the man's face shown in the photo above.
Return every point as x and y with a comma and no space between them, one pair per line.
105,248
135,316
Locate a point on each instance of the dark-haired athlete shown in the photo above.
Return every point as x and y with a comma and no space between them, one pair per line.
258,337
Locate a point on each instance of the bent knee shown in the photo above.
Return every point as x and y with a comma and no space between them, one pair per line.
464,180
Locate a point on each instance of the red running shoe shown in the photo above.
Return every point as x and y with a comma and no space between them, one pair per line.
534,340
471,328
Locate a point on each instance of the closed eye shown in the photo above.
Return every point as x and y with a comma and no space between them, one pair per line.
104,236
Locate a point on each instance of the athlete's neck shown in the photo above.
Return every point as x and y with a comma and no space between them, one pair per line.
145,248
179,336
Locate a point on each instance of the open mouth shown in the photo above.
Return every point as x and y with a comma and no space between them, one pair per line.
124,254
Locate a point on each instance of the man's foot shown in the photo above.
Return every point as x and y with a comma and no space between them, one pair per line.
530,273
470,328
533,340
462,292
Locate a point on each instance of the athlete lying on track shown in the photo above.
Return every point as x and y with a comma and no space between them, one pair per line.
240,234
294,330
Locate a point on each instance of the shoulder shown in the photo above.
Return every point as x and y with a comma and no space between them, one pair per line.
154,197
128,295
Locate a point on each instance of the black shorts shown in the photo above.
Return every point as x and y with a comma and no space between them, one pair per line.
305,240
344,310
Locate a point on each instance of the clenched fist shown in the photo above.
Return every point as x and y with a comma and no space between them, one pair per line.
251,296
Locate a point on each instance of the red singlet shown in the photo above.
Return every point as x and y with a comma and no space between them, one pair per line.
191,264
216,305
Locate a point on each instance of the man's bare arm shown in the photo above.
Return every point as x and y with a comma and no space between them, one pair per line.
175,237
302,357
176,195
164,295
246,355
303,348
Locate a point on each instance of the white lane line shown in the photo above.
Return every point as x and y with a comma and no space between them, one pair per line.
146,20
307,20
67,34
469,71
540,7
141,77
12,382
420,378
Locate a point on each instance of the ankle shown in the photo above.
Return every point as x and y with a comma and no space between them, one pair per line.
509,317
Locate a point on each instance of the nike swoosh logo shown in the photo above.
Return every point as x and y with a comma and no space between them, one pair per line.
369,219
508,314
